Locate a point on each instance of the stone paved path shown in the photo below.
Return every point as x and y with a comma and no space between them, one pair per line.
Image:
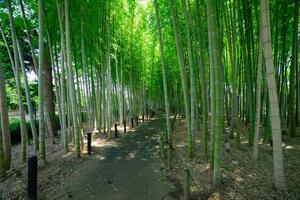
127,170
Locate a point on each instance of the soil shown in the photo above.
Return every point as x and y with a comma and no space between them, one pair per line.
51,175
125,168
241,176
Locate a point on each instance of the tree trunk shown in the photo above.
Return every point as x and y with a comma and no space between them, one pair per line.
258,100
28,35
273,97
8,49
180,57
215,53
109,81
60,11
202,77
18,83
234,106
119,96
2,160
5,138
49,97
294,66
193,94
71,80
165,84
42,143
29,104
56,86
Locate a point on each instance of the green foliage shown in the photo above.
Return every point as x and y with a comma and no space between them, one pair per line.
128,29
12,94
14,127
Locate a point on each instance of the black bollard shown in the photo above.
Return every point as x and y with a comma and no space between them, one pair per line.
32,178
89,143
124,124
143,118
137,121
132,123
116,130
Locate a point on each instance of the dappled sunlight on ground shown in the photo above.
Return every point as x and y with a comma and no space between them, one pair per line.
104,143
100,157
288,147
68,154
242,177
131,155
61,165
125,167
179,145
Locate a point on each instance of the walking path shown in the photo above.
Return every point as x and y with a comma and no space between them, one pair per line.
128,169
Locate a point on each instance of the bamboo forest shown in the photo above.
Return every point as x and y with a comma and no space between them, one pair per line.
149,99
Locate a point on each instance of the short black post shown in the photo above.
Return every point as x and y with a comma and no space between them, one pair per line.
143,118
137,121
124,124
116,130
132,123
89,143
32,178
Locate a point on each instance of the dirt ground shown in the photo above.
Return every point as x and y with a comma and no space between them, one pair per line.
52,173
242,178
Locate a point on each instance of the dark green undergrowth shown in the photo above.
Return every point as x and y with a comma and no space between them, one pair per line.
15,131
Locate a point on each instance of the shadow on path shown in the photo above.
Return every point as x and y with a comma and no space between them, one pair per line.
126,169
